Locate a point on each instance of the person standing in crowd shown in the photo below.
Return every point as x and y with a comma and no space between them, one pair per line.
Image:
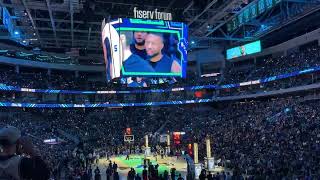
173,174
138,46
145,173
228,176
128,156
165,175
110,164
159,61
160,177
90,172
151,169
223,175
108,173
90,157
14,165
131,174
97,158
97,175
180,177
116,175
137,177
115,166
202,175
156,171
209,176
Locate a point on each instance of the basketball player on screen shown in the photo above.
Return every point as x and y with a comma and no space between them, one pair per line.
133,62
154,44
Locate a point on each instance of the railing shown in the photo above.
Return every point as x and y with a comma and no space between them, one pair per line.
164,103
4,87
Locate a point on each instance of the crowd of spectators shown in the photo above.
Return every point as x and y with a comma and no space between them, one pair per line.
268,140
41,80
275,138
261,139
81,132
270,66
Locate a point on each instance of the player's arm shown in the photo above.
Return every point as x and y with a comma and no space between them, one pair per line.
175,67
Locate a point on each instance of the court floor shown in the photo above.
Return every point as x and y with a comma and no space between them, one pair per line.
137,162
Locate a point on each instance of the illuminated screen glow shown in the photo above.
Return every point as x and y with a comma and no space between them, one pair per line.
244,50
144,48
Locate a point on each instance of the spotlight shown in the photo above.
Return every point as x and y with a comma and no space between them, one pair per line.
16,33
192,42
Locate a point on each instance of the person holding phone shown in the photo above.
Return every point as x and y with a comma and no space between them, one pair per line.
19,159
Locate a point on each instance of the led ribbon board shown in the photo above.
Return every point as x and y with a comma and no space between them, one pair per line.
103,105
4,87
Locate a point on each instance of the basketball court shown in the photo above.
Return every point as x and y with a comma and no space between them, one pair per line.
137,162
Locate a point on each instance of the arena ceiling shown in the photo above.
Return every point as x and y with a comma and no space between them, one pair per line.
77,23
63,24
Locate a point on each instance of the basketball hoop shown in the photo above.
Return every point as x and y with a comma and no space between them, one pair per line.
128,138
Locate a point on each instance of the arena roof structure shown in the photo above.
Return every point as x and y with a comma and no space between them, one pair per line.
63,24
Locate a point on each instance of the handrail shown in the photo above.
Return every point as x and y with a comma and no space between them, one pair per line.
163,103
4,87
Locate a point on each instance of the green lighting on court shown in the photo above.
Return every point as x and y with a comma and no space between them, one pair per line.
137,161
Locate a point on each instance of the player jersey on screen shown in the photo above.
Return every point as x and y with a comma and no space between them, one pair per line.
164,65
108,59
136,64
112,51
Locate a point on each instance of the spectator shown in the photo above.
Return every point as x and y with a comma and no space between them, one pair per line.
20,167
137,177
97,175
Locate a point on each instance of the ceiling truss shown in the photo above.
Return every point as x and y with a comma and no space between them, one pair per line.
77,23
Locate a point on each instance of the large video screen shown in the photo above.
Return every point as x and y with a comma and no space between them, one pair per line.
243,50
144,48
